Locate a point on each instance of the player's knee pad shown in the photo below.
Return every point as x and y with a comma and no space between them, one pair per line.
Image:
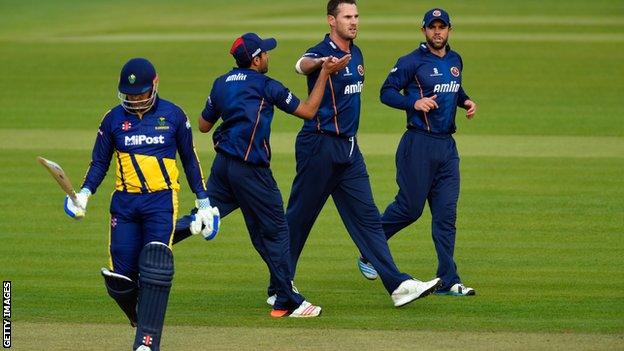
124,291
155,278
156,265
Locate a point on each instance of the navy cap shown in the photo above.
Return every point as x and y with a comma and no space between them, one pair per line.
250,45
137,77
436,14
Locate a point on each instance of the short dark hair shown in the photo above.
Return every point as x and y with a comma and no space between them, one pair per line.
332,6
243,64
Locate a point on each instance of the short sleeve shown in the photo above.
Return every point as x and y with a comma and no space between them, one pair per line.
281,96
211,112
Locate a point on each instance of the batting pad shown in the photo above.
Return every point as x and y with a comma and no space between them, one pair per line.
124,291
155,278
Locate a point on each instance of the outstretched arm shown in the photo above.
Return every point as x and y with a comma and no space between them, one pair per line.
307,109
307,65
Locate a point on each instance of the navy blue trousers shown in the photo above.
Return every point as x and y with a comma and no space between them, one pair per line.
330,165
427,170
137,219
236,184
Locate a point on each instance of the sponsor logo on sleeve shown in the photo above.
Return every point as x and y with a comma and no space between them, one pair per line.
289,98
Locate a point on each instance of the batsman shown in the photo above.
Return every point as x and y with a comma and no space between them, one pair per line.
143,134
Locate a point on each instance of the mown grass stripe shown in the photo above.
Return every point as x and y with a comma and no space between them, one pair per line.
66,336
371,143
364,36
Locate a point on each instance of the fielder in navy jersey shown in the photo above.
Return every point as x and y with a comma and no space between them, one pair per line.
329,161
143,134
240,177
427,84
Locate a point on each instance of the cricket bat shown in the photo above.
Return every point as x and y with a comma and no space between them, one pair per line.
59,175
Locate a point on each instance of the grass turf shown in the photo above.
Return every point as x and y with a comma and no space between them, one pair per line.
540,217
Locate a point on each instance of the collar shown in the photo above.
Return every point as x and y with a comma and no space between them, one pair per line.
243,70
424,48
333,45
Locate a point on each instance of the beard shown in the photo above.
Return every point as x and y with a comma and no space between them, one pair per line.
347,34
264,69
436,46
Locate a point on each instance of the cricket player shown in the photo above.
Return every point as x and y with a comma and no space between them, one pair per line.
329,161
143,134
245,98
427,84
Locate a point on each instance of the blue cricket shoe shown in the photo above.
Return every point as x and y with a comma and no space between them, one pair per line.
367,269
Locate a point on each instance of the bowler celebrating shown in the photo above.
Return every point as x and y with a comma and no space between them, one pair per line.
329,161
427,84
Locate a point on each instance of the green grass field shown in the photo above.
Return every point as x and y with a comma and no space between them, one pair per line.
541,212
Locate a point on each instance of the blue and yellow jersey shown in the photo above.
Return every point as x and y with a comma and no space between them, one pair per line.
145,151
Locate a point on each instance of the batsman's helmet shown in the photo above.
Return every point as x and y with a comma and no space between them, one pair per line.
138,76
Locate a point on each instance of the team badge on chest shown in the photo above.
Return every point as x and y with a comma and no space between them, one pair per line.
455,71
162,124
360,69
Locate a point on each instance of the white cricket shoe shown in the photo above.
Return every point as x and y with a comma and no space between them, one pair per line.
271,299
413,289
366,268
458,289
143,348
305,310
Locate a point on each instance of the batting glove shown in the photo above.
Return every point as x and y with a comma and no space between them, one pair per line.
206,220
77,208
